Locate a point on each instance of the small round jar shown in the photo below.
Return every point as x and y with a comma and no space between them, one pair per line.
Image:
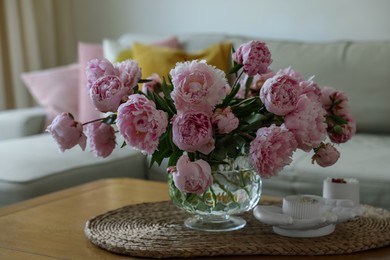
301,206
340,188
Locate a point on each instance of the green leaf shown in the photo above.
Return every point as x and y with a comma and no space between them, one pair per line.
144,80
174,157
247,86
163,150
110,119
233,50
338,130
235,68
231,95
163,104
247,107
337,119
123,144
255,122
166,89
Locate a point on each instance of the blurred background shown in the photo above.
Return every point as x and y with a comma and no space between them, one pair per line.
40,34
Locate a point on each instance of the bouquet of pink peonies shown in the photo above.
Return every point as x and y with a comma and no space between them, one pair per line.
196,119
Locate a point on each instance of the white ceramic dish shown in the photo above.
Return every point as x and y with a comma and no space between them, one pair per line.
331,212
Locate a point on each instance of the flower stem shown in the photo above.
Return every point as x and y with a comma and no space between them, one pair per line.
92,121
238,77
246,135
229,193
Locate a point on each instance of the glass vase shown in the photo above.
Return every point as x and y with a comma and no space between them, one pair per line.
236,188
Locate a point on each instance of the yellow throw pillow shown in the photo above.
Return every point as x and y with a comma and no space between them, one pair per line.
160,60
126,54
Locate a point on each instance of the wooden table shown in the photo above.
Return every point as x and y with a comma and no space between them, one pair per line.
52,226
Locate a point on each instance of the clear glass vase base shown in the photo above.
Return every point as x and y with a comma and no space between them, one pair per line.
229,224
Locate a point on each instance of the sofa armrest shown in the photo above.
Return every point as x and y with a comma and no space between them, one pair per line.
16,123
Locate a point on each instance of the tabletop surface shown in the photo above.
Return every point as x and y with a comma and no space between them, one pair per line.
52,226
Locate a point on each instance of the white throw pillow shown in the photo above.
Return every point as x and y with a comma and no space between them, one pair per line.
113,47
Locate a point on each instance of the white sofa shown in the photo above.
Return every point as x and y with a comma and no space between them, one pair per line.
32,165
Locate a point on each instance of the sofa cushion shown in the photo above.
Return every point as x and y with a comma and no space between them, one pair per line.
171,42
54,89
119,49
149,56
15,123
34,166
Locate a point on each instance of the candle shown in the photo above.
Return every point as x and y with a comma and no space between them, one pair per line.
342,188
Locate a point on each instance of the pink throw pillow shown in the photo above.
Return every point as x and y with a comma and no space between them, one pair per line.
87,52
55,89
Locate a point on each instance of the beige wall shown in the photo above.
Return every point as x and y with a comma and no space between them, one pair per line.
287,19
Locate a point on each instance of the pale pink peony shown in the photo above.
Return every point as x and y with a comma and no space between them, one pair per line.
307,122
98,68
140,123
192,177
280,94
129,73
107,93
225,120
272,149
325,155
101,138
291,73
150,86
311,88
67,132
197,86
254,56
192,131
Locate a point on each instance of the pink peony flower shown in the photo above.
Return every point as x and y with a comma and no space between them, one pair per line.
67,132
344,132
272,149
325,155
197,86
254,56
151,85
225,120
140,123
307,122
192,177
335,102
129,73
98,68
192,131
101,137
291,73
311,89
326,93
107,93
280,94
307,87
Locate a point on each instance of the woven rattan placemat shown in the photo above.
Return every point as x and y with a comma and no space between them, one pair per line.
156,230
